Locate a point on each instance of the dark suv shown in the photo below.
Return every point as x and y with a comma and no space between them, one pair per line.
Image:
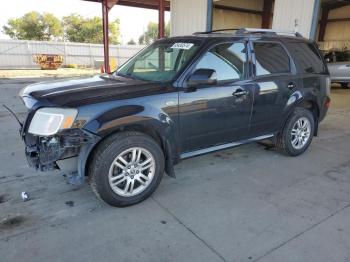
178,98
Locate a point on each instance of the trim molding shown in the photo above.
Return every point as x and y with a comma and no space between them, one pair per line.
221,147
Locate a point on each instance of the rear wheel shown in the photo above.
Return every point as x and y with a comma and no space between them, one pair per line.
345,85
298,132
126,168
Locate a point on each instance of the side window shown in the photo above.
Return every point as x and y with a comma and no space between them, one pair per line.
228,60
307,58
271,58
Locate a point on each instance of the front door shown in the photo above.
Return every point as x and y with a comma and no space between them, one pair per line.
211,115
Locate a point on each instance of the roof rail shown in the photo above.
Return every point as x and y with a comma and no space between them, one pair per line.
240,31
267,31
217,31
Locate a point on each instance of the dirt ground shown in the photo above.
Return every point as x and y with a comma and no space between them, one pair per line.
34,73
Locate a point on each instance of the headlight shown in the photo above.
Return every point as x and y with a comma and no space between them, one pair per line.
48,121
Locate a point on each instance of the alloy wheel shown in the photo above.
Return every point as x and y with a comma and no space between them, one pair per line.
131,172
301,133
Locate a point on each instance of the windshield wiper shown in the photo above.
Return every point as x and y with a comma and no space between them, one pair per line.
127,76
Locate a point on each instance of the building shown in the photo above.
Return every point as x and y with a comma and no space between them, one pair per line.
327,21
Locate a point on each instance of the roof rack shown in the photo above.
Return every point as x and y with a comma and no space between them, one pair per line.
217,31
240,31
267,31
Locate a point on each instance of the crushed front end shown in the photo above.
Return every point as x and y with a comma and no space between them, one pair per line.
65,148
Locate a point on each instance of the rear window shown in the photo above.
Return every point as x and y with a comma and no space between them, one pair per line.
271,58
306,57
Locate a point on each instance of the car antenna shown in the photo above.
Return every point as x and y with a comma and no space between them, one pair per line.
8,109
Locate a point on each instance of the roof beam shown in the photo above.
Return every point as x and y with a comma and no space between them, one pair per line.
150,4
144,4
333,4
238,9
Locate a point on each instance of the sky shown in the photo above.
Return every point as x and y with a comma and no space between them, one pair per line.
133,21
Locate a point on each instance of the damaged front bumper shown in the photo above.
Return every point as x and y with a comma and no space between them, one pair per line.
67,151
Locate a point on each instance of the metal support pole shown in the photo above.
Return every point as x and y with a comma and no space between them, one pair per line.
105,35
266,14
210,6
161,11
314,21
323,24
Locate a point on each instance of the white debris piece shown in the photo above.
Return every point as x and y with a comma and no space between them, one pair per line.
25,196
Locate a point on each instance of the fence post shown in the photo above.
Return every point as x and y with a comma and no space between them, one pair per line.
65,53
91,57
30,58
118,55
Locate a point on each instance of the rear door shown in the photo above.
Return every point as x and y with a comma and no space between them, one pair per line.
275,81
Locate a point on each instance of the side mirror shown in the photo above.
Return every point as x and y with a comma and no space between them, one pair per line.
202,76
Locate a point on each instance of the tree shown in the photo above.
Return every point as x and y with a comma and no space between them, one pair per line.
34,26
89,30
151,33
131,42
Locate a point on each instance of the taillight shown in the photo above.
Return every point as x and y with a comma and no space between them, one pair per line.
327,103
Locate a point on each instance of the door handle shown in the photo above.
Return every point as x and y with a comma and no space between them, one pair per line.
240,92
291,85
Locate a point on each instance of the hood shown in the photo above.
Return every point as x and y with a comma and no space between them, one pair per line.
338,63
81,91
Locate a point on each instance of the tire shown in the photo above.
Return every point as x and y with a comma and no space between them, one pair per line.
105,171
344,85
286,140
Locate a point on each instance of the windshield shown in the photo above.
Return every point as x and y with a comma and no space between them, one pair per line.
159,62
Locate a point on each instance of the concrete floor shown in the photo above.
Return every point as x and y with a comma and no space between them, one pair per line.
242,204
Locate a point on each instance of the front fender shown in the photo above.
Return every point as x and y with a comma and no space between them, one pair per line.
160,123
123,117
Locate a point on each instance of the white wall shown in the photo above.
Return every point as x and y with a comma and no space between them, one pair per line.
188,16
287,13
20,53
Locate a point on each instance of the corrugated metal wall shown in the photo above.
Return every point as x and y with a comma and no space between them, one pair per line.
328,45
293,15
19,54
339,30
233,19
188,16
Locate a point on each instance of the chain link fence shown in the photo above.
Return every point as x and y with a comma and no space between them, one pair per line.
19,54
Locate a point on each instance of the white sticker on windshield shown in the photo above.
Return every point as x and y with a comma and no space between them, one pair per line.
185,46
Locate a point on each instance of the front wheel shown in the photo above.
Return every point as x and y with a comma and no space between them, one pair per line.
298,132
126,168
